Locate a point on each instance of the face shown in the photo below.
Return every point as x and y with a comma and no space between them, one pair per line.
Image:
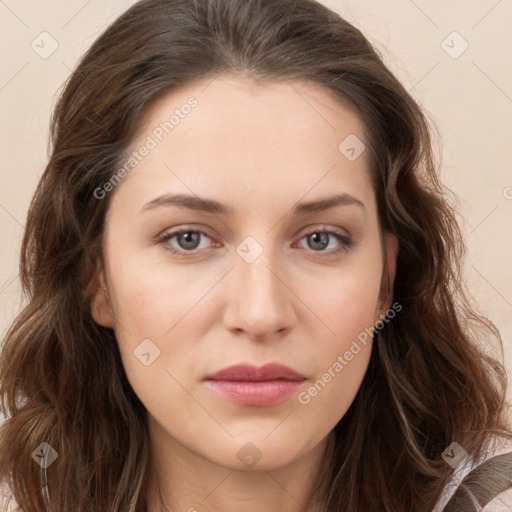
266,274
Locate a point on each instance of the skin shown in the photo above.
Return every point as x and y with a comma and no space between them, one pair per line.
259,150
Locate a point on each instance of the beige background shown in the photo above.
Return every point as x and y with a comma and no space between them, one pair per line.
469,98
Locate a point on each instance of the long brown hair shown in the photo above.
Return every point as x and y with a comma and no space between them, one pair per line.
430,381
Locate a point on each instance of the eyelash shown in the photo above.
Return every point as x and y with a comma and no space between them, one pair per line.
346,242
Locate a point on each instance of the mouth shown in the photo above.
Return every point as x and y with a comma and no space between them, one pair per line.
256,386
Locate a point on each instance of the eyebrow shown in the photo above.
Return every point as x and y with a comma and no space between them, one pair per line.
196,203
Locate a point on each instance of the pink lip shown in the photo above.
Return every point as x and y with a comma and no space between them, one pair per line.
256,386
248,372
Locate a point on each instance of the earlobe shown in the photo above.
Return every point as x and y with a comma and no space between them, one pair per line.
101,307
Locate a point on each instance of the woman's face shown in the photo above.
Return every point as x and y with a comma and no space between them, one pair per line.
251,281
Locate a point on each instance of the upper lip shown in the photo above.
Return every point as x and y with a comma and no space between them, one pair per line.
249,372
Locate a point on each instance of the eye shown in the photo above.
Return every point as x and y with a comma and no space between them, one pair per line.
319,239
189,240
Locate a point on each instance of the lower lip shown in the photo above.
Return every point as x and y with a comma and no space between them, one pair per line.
255,394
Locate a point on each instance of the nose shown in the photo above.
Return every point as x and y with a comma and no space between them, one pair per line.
259,300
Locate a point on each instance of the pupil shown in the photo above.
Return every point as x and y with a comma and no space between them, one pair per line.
322,236
190,238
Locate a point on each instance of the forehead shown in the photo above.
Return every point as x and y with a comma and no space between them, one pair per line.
228,100
242,138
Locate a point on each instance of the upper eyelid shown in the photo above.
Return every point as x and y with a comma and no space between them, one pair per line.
314,228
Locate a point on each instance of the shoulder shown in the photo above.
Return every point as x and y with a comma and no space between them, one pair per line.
502,502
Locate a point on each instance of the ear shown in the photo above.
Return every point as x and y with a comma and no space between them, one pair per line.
392,249
101,307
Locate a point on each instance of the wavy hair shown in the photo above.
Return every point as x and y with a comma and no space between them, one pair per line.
430,380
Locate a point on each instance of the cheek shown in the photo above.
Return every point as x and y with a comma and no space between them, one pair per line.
345,300
347,307
164,312
155,336
341,359
152,299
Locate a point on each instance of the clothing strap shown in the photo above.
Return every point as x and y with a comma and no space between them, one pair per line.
476,485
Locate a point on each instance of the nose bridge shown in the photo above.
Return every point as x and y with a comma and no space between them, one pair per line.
260,303
256,265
